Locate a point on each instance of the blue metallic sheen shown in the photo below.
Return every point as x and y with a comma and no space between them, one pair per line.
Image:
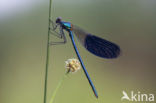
84,69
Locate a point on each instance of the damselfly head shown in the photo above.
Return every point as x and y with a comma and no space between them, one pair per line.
58,19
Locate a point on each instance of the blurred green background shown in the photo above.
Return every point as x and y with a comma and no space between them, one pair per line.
23,37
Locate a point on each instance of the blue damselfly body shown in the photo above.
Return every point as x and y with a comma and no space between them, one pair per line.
96,45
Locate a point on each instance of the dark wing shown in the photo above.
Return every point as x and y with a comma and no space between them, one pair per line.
98,46
101,47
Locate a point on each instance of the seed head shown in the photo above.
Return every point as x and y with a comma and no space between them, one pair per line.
72,65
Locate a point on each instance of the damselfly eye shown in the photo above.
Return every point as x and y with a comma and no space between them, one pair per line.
58,19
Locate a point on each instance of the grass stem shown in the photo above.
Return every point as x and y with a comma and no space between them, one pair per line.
47,55
57,88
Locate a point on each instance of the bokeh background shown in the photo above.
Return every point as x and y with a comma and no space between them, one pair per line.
23,37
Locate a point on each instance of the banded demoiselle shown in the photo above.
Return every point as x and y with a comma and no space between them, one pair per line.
96,45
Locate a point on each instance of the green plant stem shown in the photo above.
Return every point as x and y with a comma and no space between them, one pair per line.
58,86
47,55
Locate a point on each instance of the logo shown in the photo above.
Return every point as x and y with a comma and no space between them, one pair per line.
137,96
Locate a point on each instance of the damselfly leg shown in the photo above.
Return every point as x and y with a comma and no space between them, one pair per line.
56,30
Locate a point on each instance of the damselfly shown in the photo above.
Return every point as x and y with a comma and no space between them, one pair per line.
97,46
